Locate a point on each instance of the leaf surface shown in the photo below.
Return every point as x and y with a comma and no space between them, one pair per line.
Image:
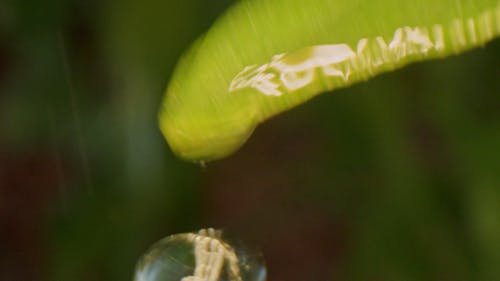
263,57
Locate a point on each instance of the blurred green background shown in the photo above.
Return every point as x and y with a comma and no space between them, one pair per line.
394,179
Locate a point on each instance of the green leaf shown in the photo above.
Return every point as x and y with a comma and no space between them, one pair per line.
263,57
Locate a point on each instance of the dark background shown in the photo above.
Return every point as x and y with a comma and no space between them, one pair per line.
394,179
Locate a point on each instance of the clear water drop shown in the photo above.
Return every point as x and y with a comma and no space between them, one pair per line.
203,256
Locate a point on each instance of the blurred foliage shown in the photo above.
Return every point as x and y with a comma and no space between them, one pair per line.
394,179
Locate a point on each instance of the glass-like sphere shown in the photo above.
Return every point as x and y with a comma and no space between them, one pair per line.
202,256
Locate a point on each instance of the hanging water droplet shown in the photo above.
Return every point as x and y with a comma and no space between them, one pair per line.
202,256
